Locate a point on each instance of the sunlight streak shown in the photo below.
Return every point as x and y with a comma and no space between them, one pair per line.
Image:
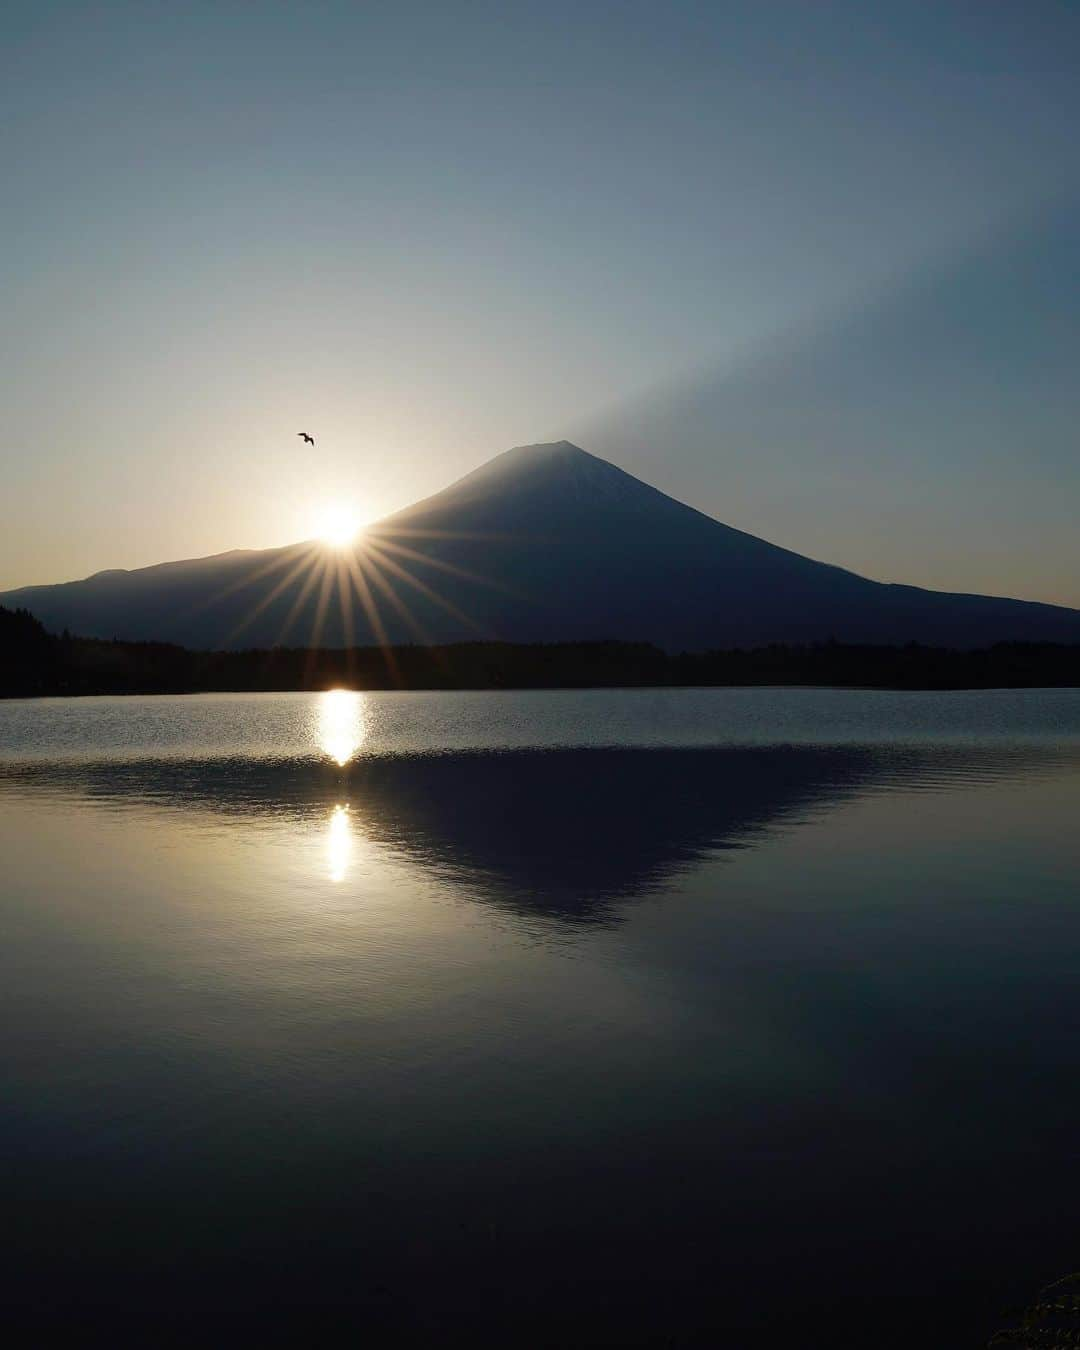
371,610
442,566
386,529
370,574
285,556
319,617
427,591
256,574
297,605
345,603
371,568
305,562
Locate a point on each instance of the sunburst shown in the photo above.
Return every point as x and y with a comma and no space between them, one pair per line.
365,575
338,525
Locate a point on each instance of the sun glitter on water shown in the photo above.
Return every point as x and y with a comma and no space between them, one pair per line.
341,724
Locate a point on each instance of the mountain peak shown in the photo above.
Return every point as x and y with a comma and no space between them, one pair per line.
543,543
523,459
547,472
547,450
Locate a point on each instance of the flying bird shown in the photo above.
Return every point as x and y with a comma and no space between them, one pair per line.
310,439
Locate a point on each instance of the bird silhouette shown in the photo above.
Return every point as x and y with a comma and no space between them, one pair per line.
310,439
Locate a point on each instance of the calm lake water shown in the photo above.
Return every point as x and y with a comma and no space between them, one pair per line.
572,1018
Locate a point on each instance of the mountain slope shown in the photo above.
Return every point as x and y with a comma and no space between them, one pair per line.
544,542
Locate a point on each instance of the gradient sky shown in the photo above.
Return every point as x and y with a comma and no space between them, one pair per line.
811,267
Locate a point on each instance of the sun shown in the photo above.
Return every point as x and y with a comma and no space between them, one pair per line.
338,525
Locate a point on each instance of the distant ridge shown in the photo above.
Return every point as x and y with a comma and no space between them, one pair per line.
542,543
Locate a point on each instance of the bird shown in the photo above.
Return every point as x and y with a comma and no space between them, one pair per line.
310,439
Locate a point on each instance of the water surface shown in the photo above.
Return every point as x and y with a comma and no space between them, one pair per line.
618,1017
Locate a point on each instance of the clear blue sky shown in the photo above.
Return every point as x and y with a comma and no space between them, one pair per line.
812,267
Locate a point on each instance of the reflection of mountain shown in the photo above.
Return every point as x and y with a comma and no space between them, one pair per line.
544,543
564,833
571,832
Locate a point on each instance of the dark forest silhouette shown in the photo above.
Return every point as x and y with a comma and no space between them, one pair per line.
35,662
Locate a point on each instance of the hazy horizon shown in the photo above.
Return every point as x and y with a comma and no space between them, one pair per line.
810,272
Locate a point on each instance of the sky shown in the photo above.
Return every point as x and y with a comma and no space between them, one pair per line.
811,267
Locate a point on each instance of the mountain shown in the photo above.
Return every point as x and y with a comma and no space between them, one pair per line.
543,543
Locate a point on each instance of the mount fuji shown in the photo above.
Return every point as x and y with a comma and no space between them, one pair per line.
542,543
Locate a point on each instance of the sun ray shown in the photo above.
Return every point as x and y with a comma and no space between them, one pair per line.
414,625
268,599
427,591
290,618
267,569
282,559
374,618
344,590
386,529
371,568
318,619
453,568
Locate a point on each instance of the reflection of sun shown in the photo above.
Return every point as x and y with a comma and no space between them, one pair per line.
341,728
338,525
339,843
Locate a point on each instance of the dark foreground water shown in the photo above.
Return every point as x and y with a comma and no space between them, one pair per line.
674,1018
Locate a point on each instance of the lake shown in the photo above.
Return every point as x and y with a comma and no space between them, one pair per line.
667,1017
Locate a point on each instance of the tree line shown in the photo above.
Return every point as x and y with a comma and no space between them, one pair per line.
36,662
